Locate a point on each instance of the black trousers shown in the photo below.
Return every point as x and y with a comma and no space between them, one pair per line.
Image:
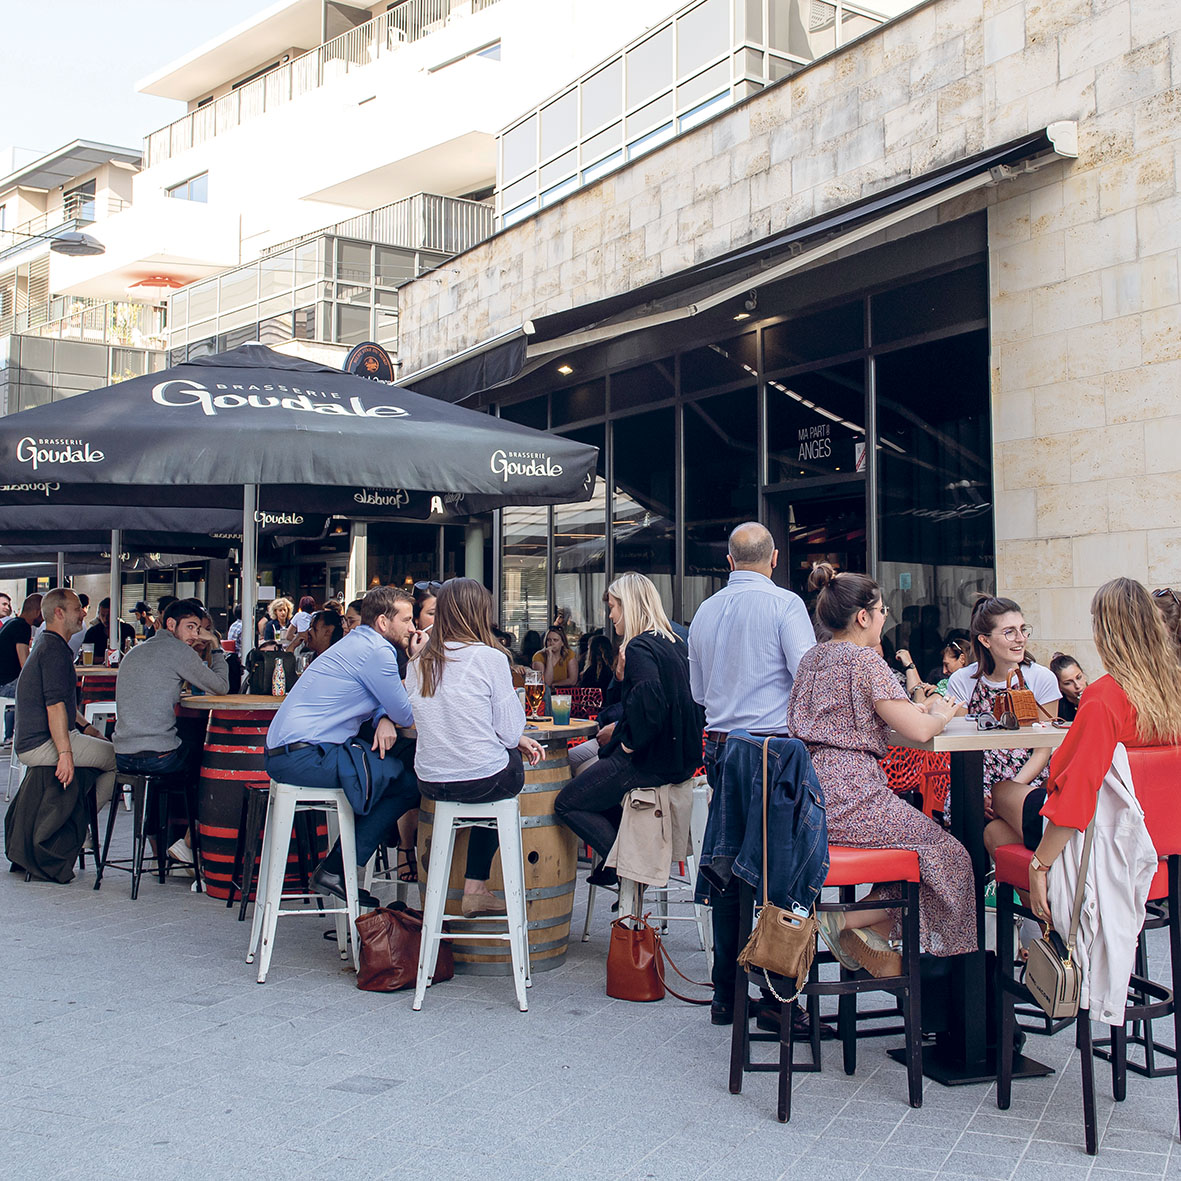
482,843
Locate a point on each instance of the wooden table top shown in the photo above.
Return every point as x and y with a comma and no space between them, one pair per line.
578,728
961,735
231,701
95,670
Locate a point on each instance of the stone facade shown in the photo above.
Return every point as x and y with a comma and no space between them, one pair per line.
1085,306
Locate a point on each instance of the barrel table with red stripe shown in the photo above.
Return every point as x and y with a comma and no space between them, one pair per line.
233,763
95,684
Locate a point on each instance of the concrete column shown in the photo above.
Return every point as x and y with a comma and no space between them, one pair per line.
473,552
357,580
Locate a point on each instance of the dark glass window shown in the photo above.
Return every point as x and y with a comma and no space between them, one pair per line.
529,413
643,385
718,364
580,552
587,400
812,338
642,528
935,499
721,486
942,302
816,423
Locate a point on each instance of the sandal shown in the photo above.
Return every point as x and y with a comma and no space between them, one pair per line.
407,870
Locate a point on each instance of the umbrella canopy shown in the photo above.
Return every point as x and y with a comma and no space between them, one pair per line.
256,417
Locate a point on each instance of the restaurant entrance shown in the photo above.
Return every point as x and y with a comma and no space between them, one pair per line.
823,523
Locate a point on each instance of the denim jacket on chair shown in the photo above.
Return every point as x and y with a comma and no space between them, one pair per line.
797,829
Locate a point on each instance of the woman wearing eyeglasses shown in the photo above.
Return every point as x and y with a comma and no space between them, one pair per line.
999,638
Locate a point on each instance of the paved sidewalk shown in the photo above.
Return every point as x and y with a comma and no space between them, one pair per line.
136,1044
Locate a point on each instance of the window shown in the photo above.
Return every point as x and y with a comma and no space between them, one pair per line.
580,551
650,67
816,423
702,34
602,96
78,202
196,188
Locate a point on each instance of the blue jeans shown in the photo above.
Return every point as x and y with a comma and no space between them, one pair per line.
723,907
395,791
150,762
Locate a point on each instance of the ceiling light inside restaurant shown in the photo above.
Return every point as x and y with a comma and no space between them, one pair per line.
565,370
742,316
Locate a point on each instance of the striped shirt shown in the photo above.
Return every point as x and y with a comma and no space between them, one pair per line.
745,644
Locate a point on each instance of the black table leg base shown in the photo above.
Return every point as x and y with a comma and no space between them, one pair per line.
951,1075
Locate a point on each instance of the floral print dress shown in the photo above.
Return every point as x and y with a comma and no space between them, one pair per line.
999,764
831,710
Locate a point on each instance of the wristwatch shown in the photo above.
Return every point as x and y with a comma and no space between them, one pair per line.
908,668
1036,864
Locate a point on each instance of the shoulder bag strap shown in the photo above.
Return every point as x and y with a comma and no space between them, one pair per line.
766,744
1076,913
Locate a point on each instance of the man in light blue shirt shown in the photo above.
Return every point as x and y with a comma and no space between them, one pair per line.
312,740
745,645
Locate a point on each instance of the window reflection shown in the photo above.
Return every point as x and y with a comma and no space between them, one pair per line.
523,591
580,554
642,528
816,423
721,490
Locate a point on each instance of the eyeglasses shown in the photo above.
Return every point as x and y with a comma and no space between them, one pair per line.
1007,721
882,608
428,588
1011,633
1168,590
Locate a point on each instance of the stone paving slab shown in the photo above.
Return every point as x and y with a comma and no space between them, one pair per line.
137,1044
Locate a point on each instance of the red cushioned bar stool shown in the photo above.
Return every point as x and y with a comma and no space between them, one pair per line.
848,868
1156,772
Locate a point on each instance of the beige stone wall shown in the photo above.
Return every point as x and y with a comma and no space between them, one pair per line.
1086,331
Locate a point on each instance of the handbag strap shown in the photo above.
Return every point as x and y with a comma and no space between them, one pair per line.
1076,912
766,745
661,956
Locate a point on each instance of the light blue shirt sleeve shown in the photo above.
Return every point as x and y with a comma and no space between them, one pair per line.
796,634
379,674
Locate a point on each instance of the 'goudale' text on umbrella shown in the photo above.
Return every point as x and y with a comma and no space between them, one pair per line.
194,394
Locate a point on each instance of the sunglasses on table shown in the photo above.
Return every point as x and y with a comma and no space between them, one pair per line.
1007,721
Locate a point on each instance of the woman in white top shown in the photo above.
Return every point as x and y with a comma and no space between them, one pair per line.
999,637
471,727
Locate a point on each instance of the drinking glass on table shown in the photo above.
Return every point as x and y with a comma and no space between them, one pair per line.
534,694
88,654
560,704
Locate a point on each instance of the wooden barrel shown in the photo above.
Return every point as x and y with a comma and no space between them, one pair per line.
233,763
95,686
551,861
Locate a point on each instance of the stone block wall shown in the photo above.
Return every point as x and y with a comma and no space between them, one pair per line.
1086,315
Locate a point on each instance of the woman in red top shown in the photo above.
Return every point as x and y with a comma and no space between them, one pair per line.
1137,703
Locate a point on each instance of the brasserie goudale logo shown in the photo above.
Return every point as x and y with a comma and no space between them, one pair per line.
182,391
523,463
38,451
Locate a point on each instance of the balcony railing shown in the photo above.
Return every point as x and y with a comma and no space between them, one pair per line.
69,317
77,210
426,221
359,47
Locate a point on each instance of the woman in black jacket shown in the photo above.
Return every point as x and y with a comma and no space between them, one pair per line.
658,739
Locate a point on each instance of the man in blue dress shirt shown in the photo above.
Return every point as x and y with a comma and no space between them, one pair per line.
312,741
745,645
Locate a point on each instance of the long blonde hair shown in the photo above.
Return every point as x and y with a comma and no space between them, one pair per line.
1138,653
642,608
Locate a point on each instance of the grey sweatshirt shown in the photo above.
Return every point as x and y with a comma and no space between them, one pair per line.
150,682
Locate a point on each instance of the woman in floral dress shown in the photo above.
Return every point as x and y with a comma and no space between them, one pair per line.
843,702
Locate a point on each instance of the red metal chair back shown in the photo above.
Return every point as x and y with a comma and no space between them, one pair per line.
1156,773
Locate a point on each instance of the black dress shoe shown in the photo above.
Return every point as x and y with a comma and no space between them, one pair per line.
603,875
767,1019
324,882
721,1012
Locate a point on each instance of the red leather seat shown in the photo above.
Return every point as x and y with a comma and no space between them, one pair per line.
1012,866
855,867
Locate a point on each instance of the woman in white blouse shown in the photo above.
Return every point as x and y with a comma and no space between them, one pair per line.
470,723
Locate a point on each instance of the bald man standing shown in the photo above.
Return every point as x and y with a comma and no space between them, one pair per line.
745,645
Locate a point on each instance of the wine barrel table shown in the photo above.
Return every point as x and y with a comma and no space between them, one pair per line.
233,765
95,683
551,863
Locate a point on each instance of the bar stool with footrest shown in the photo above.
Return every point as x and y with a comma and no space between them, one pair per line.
505,815
847,869
284,800
243,874
146,791
1156,770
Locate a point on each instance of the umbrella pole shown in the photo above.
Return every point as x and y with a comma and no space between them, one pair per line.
61,568
249,567
116,597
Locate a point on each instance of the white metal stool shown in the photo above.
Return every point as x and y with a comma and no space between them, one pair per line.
283,801
449,817
103,711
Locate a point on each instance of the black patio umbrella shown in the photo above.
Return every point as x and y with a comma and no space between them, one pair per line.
216,430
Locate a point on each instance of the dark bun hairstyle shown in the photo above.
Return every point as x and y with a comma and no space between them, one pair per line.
841,596
985,612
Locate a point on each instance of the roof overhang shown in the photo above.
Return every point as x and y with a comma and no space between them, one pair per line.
63,165
732,276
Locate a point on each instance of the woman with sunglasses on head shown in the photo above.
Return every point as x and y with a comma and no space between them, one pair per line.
843,702
1169,606
999,638
1071,680
1137,703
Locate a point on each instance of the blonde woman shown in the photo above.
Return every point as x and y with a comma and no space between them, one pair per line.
279,620
1137,703
658,739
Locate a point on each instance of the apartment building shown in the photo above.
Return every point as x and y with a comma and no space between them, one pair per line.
916,306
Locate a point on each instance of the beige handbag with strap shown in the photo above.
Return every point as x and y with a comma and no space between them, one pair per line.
783,943
1052,976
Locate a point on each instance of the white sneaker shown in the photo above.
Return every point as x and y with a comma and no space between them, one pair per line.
179,851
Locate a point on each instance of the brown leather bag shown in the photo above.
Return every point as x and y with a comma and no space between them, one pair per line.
389,943
1019,701
633,968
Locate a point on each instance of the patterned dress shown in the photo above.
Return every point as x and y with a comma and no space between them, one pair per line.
832,711
999,764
